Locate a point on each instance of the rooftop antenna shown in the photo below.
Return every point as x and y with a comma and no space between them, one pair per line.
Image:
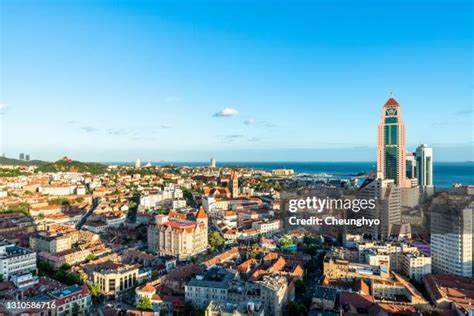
391,94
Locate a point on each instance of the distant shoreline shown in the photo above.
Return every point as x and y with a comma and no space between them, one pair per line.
227,163
445,174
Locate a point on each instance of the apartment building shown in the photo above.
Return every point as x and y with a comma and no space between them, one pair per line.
416,266
451,235
53,243
212,285
69,297
179,235
15,260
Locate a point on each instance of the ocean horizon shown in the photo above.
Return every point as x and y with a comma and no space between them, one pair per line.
444,173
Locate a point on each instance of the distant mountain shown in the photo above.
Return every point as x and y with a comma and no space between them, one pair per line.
17,162
66,165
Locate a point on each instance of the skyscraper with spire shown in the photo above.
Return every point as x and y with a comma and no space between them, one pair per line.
391,150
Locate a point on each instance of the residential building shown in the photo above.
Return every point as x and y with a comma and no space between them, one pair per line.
416,266
267,226
15,259
179,235
451,235
449,291
245,308
68,298
212,285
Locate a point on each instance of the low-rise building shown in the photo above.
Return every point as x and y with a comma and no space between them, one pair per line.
416,266
245,308
212,285
114,278
450,291
75,297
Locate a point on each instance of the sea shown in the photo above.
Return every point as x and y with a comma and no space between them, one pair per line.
445,174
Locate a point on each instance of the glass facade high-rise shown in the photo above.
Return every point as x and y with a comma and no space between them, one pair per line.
424,161
391,145
411,165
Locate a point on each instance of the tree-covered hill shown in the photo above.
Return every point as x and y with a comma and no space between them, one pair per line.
17,162
75,166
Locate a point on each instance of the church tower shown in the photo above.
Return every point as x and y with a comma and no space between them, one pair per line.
234,184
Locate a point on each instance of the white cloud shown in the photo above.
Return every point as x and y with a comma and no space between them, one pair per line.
89,129
117,131
234,136
4,108
249,121
171,99
253,139
227,112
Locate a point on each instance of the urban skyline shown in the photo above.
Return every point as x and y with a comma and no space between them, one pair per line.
168,85
236,158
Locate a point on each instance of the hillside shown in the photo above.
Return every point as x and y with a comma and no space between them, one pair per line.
73,165
17,162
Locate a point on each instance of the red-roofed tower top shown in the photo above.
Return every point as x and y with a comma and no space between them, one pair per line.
391,102
201,213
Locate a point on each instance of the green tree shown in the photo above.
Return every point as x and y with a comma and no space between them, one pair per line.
286,242
95,290
91,257
300,287
215,240
67,278
10,172
65,266
75,309
45,268
132,204
188,308
144,304
296,309
19,208
254,254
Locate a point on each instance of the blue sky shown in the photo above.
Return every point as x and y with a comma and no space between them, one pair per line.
236,80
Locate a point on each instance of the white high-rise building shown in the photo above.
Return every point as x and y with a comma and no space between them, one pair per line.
137,163
424,166
388,205
213,163
451,236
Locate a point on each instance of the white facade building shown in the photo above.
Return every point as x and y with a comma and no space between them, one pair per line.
451,240
424,166
15,260
416,266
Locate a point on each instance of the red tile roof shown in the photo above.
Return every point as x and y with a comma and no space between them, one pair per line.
391,102
201,213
